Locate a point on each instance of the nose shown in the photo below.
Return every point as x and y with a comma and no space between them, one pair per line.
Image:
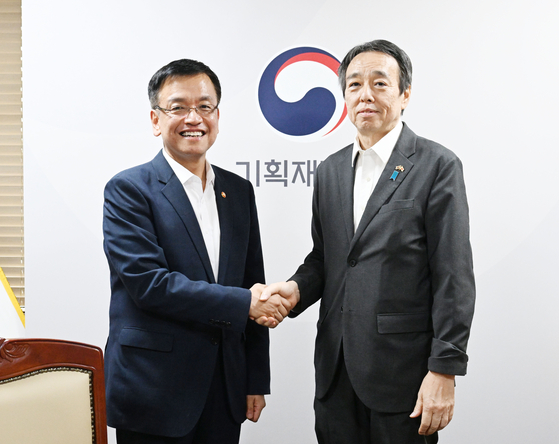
192,117
367,93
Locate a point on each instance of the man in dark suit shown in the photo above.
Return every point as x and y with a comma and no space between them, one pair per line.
391,265
184,363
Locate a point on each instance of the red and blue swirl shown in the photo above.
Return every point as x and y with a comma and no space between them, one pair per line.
318,112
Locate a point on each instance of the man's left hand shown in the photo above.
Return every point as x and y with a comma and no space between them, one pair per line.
435,402
255,404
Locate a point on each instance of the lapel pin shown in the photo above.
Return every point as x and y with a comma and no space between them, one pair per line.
223,195
399,169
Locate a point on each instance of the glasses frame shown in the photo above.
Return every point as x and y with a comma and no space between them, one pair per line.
188,110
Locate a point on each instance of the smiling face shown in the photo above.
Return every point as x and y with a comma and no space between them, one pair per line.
187,138
372,96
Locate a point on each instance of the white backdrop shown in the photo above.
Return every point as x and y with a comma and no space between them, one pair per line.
484,86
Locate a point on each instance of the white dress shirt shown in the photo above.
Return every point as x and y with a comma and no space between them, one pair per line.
204,205
368,167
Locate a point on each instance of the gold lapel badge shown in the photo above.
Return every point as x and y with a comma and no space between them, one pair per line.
223,194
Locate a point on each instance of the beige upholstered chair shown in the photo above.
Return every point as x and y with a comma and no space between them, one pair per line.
51,392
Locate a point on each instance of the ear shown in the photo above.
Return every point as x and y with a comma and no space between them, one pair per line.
155,123
217,120
406,100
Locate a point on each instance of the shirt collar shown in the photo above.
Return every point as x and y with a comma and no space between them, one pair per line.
384,147
184,175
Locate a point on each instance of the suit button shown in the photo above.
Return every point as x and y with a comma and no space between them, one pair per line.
342,308
352,263
228,324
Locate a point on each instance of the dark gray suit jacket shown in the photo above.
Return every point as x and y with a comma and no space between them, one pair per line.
399,293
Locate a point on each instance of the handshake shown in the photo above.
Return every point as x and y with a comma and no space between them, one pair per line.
271,304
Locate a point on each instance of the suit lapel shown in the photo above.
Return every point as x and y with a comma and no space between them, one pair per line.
173,190
224,210
405,147
345,181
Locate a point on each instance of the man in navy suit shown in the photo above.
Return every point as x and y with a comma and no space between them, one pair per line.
185,362
391,265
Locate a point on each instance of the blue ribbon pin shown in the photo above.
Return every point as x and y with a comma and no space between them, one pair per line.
399,169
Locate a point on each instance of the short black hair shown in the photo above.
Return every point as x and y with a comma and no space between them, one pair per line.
180,68
385,47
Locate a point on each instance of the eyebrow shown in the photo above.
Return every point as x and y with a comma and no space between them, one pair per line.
208,98
376,72
182,99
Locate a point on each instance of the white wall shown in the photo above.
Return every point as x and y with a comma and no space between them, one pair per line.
484,85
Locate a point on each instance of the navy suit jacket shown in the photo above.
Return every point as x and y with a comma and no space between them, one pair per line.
397,294
168,313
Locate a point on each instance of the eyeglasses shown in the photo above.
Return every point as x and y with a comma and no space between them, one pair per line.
183,111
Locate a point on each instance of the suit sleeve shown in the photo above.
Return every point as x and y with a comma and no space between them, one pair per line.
310,275
138,263
257,336
451,266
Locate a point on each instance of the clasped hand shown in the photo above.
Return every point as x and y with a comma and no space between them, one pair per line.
271,304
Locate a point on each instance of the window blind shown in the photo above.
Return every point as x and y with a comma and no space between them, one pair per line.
11,148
